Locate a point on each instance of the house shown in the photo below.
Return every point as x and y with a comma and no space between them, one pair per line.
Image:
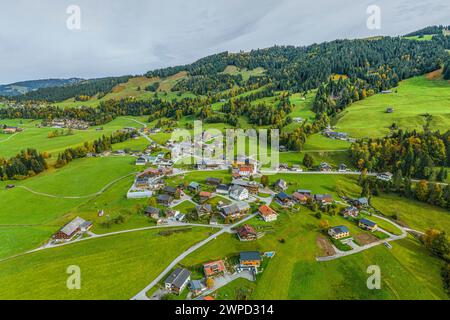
368,225
239,193
203,209
343,167
245,171
204,196
213,268
305,192
386,176
323,199
164,199
194,187
251,186
197,287
267,213
10,130
281,185
325,167
339,232
177,280
141,161
152,212
300,197
386,91
350,212
361,202
213,181
235,210
171,190
246,233
222,189
283,199
70,230
250,260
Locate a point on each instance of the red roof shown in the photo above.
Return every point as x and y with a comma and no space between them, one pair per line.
266,210
300,196
246,230
214,267
205,194
208,298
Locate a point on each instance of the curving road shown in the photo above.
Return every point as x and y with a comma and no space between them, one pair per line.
142,294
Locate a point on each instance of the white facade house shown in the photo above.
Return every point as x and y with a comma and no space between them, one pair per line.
239,193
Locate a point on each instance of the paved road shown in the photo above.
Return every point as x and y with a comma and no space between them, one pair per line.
143,134
142,294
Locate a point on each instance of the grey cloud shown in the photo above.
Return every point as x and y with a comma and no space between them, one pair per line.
131,37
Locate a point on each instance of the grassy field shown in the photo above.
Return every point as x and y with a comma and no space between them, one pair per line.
416,215
114,267
411,100
37,138
295,274
28,219
246,74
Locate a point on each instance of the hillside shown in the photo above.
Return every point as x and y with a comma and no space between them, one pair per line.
23,87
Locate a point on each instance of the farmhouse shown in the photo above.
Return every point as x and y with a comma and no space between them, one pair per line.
343,167
194,187
250,260
350,212
213,181
281,185
197,287
267,213
177,280
235,210
164,199
11,130
246,233
171,190
203,209
368,225
152,212
283,199
325,167
361,202
70,230
204,196
214,268
323,199
141,161
386,176
300,197
339,232
223,189
239,193
251,186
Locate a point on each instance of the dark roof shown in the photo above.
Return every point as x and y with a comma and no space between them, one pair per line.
170,189
178,277
283,196
223,187
213,180
164,197
367,222
340,229
152,210
249,256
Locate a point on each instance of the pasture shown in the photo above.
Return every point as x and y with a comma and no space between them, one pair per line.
412,100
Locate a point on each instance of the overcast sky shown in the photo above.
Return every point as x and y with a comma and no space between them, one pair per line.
120,37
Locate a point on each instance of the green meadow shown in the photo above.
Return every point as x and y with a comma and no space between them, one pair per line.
112,267
34,137
295,274
414,214
412,100
28,219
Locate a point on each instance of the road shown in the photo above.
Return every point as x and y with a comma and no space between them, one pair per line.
143,134
10,137
98,236
142,294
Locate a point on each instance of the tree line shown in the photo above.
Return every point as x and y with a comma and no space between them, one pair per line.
414,154
26,164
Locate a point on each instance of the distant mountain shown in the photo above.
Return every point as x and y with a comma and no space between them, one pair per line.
23,87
